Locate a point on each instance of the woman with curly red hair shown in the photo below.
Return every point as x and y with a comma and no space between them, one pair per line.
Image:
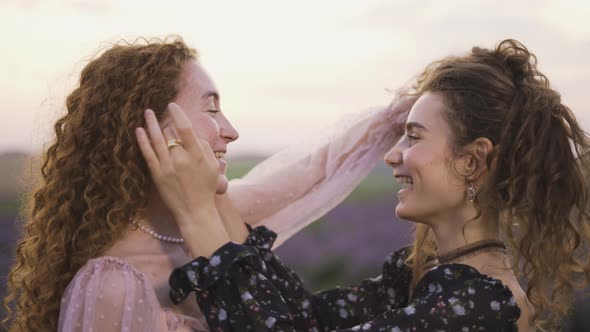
495,173
99,242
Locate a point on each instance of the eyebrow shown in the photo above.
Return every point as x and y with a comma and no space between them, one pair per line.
213,94
414,125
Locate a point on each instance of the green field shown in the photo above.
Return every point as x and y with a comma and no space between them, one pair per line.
378,184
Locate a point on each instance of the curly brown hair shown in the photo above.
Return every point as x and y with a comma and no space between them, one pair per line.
94,178
537,186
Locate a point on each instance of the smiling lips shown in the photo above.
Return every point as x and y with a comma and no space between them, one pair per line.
406,180
219,155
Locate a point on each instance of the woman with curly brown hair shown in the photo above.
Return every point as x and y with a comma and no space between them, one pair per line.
99,242
495,169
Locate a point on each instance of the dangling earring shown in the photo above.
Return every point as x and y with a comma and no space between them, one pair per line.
471,192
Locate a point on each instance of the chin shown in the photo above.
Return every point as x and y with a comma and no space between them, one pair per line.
402,212
222,184
415,214
399,212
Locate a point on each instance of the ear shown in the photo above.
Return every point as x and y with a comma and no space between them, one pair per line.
474,160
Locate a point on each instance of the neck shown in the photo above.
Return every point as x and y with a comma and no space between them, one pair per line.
158,217
455,230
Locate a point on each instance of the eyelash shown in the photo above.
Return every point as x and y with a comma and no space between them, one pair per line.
213,111
411,138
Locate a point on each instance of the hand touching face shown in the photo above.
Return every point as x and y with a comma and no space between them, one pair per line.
200,101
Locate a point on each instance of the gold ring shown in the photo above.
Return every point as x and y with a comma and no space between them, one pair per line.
174,143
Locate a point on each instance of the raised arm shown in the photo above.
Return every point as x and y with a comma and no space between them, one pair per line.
247,285
300,184
244,287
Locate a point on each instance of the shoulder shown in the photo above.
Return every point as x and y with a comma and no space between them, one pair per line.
398,257
395,262
397,275
108,278
109,267
460,291
108,293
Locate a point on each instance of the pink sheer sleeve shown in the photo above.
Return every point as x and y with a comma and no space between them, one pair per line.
300,184
107,294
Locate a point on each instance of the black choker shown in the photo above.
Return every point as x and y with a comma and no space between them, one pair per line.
485,245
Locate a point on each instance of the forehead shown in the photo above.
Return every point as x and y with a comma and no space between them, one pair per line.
195,81
428,111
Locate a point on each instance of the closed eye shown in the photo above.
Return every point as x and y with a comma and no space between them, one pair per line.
411,138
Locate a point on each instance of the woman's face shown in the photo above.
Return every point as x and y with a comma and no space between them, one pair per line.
199,98
423,164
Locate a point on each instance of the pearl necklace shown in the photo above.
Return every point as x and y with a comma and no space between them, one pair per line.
157,236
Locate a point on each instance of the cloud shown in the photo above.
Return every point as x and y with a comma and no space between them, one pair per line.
309,61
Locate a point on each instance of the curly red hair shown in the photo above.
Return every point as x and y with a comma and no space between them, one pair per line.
94,178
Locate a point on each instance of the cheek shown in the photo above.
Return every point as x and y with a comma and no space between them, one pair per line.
206,128
421,165
434,180
428,166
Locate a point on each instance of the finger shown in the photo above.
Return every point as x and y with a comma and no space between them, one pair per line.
403,105
183,127
147,151
206,148
173,131
409,99
169,135
156,137
179,157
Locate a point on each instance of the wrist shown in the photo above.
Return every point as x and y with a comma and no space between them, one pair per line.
231,218
207,247
203,232
238,233
196,216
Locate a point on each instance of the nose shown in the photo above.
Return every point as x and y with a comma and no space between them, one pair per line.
227,131
394,156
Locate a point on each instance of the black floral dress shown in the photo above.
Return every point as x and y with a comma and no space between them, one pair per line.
246,288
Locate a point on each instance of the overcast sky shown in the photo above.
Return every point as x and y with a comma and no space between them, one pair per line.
285,69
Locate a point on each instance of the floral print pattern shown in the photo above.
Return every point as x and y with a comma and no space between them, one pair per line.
246,288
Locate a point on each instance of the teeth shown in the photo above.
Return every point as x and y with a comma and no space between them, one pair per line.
405,180
219,155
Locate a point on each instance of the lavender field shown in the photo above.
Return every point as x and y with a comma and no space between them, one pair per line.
348,244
